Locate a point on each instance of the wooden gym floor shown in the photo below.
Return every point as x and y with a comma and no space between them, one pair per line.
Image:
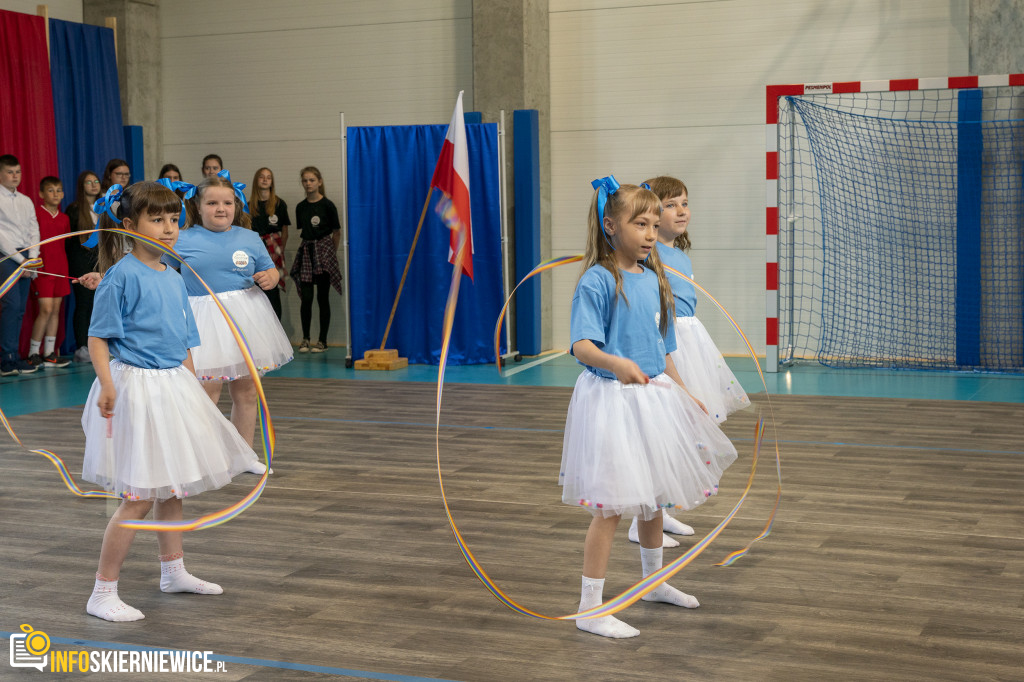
897,554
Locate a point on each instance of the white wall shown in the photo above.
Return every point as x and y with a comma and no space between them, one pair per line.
638,88
261,83
648,87
68,10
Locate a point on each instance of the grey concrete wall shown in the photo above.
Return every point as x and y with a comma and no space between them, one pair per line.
138,66
511,71
996,31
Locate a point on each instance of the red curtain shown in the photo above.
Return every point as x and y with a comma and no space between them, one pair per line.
26,99
26,105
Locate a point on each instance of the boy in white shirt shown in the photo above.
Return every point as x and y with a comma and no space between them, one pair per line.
18,229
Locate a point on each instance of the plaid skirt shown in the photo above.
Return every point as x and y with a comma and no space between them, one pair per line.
317,258
273,243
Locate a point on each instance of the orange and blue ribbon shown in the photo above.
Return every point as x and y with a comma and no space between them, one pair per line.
728,561
28,265
653,580
543,267
266,425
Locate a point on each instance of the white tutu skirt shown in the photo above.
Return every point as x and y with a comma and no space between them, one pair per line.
167,438
639,448
219,358
704,371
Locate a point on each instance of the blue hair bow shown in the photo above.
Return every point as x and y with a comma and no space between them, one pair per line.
174,186
239,186
105,203
605,187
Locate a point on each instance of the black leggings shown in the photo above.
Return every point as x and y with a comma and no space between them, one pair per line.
83,313
323,301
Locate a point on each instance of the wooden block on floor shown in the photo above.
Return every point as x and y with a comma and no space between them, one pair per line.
383,359
397,363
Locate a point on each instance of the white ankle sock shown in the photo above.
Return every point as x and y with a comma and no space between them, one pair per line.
673,525
650,559
257,467
104,603
33,346
666,541
174,578
606,626
49,343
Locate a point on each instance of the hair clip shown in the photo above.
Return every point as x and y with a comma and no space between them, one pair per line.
239,186
644,185
107,201
174,186
605,187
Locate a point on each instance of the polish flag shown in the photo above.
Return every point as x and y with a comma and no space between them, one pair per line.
451,176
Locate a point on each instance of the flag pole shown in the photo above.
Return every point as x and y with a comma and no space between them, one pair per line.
451,176
349,362
408,262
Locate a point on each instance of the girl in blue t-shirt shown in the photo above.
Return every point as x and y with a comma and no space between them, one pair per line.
698,361
635,441
697,358
152,435
235,264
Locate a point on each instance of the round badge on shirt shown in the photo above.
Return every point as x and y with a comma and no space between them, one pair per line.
315,221
240,259
272,220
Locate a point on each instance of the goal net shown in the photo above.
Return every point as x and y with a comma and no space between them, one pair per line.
900,223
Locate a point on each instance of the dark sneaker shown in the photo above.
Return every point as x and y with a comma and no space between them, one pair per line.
35,360
54,360
318,347
8,370
304,346
19,367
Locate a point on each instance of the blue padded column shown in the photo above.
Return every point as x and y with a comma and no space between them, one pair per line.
134,153
968,229
526,160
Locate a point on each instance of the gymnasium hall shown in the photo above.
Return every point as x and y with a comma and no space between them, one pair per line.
854,173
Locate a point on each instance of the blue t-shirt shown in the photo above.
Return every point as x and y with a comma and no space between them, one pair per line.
226,260
144,315
627,330
683,291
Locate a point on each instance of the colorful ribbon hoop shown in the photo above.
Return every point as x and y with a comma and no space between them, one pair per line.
652,581
266,425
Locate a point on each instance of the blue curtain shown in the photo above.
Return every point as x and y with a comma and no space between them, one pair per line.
86,100
87,111
389,172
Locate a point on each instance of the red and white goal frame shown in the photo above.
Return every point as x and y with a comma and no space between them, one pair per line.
773,93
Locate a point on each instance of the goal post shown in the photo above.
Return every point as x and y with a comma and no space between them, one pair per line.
895,223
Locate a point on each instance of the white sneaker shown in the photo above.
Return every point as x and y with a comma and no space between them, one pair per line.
634,536
258,467
82,354
674,525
